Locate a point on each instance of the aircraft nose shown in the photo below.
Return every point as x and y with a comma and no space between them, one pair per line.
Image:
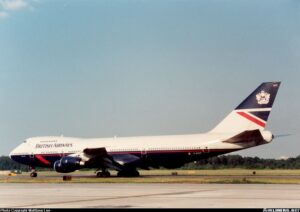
11,154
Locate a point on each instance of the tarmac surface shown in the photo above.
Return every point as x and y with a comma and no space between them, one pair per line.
148,195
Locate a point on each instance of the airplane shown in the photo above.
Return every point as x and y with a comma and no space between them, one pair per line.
243,128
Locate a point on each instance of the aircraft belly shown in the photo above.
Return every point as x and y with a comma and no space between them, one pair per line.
177,159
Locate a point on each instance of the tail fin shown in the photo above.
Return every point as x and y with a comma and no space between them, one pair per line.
253,112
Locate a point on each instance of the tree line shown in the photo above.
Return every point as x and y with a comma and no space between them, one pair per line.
237,161
219,162
8,164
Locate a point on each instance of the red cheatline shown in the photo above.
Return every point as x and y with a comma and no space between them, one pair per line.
251,118
43,160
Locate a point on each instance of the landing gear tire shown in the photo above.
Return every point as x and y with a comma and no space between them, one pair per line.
128,173
33,171
103,174
33,174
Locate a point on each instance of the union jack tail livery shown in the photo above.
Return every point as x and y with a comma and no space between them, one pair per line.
253,112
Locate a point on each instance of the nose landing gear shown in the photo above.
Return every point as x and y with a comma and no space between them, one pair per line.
33,172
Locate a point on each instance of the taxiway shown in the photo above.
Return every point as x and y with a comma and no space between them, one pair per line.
148,195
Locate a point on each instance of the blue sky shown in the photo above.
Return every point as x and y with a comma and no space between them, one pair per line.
99,68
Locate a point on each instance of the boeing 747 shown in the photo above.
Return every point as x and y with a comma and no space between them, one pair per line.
243,128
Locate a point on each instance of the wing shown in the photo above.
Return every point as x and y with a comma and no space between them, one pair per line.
100,158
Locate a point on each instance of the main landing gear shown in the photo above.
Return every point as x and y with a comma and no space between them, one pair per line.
103,173
122,173
33,172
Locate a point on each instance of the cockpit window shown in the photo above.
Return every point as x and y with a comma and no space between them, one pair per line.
24,141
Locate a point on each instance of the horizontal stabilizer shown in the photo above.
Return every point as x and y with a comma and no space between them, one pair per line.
246,136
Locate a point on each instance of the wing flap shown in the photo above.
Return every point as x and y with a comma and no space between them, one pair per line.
126,159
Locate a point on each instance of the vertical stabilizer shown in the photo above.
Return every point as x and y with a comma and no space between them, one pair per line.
253,112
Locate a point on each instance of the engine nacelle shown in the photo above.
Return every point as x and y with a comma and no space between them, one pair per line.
267,135
67,164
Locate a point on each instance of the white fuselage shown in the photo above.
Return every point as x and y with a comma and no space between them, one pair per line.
69,145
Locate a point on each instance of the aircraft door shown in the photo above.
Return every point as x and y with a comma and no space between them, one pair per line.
144,153
206,150
31,157
31,149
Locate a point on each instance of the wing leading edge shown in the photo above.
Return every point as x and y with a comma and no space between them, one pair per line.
99,157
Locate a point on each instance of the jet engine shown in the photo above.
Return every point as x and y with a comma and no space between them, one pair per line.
67,164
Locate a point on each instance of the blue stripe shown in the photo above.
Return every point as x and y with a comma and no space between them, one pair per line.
261,114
